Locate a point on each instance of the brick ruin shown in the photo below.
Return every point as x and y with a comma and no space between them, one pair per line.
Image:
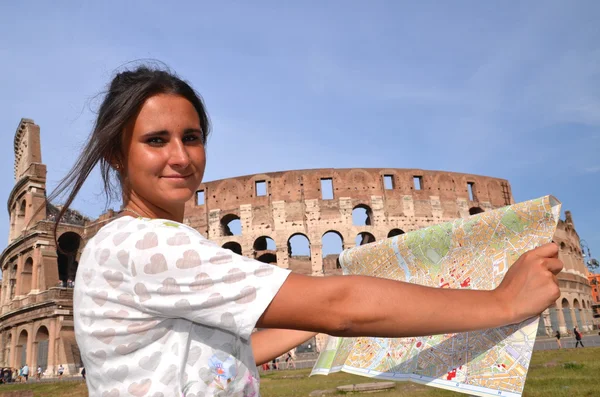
299,220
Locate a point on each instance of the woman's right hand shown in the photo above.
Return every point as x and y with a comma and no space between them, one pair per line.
530,285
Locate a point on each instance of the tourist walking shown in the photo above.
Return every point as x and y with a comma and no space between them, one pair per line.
60,371
25,372
557,335
289,360
38,374
577,337
154,296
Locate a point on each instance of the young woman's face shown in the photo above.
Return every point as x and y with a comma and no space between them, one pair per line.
165,157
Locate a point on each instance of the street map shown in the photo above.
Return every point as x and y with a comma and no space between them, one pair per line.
472,253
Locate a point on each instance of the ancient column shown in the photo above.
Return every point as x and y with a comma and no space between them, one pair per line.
51,348
13,348
30,337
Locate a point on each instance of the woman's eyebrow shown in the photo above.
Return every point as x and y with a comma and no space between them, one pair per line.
155,133
192,131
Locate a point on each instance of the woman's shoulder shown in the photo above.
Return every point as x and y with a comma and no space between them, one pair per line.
146,232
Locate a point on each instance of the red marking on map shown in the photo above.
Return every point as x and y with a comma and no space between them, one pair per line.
445,285
451,374
419,344
466,283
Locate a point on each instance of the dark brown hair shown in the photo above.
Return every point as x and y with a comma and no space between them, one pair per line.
125,96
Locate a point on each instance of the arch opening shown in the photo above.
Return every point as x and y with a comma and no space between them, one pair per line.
26,275
231,225
42,338
233,247
268,258
566,309
264,243
395,232
12,282
299,254
475,210
362,215
363,238
68,247
333,245
21,348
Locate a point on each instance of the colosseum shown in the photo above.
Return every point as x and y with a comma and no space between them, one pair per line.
299,220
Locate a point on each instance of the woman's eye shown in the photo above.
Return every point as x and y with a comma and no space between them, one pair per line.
192,138
155,141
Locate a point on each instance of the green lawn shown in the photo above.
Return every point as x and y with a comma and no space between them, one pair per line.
554,373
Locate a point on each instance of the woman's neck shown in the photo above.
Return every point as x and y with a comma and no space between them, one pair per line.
141,208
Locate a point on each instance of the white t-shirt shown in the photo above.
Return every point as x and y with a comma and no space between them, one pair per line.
161,311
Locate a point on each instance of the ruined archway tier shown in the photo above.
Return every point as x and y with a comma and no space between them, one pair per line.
312,202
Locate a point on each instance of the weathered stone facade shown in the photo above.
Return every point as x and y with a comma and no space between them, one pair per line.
36,320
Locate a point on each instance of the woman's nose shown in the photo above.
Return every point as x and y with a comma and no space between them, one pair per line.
178,157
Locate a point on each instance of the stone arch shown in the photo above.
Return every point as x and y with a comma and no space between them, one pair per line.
395,232
298,237
475,210
229,188
360,179
233,246
264,243
68,247
231,225
26,276
566,309
363,238
299,253
21,348
333,245
265,249
41,341
268,258
554,317
362,215
12,282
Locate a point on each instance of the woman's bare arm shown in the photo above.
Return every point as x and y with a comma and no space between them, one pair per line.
268,344
368,306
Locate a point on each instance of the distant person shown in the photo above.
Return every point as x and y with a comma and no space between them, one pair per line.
83,373
577,337
61,370
26,372
557,335
289,360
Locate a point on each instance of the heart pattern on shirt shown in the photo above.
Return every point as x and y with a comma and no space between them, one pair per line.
191,259
150,240
140,389
158,264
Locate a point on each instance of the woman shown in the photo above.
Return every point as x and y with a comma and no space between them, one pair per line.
557,335
160,311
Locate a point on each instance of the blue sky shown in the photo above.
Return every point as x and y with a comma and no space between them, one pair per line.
504,89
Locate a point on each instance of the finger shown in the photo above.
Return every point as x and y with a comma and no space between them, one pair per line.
555,265
549,250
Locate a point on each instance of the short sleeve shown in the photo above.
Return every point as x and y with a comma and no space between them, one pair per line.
176,272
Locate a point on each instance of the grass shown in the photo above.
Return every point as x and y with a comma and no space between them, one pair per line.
556,373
